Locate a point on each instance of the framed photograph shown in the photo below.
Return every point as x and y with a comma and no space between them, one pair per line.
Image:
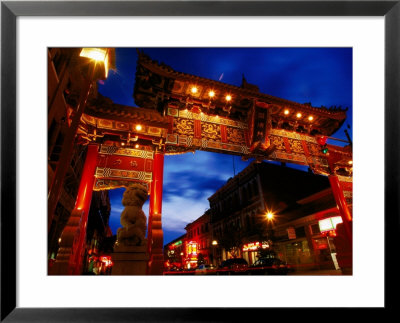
370,30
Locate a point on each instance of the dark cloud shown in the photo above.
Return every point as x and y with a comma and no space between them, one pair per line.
192,185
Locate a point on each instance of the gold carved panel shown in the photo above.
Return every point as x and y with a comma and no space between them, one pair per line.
184,126
211,131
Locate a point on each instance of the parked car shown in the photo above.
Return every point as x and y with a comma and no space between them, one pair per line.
204,269
269,266
233,266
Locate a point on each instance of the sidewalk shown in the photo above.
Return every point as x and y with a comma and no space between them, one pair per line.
316,272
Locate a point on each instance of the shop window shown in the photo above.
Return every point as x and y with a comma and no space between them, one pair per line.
298,253
300,232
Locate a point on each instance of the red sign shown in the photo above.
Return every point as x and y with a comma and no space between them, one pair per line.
117,167
291,233
125,163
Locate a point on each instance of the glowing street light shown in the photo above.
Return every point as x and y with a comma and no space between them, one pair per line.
98,55
269,215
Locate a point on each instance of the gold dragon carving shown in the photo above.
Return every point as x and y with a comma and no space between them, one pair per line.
184,126
235,136
210,131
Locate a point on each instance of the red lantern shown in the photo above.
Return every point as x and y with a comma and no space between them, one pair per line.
322,140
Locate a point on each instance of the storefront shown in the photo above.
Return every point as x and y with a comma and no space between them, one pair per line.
324,244
251,250
296,253
191,255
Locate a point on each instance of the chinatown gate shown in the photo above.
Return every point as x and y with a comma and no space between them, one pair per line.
182,113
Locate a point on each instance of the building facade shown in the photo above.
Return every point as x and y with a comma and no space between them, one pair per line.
299,202
68,85
198,242
300,232
174,254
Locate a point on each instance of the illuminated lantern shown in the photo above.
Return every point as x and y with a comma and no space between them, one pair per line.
322,140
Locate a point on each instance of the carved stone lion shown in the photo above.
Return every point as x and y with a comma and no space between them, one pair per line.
133,219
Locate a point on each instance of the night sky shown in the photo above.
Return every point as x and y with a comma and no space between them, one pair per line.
322,76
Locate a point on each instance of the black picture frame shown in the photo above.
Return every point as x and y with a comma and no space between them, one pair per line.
10,10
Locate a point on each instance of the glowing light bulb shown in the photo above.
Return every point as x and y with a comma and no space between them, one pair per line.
270,215
286,112
194,90
211,94
97,54
310,118
298,115
228,98
138,127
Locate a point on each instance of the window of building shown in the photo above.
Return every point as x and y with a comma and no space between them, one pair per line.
315,228
300,232
255,187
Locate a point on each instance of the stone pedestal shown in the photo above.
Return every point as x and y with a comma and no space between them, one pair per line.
129,260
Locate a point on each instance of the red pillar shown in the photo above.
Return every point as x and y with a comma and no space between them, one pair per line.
155,234
344,236
70,254
341,204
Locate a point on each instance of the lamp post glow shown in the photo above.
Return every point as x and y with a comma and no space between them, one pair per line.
269,216
97,55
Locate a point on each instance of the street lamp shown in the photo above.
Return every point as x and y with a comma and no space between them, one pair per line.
214,243
269,215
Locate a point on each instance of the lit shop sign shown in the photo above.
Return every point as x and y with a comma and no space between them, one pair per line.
255,246
176,244
106,260
192,248
329,224
191,252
